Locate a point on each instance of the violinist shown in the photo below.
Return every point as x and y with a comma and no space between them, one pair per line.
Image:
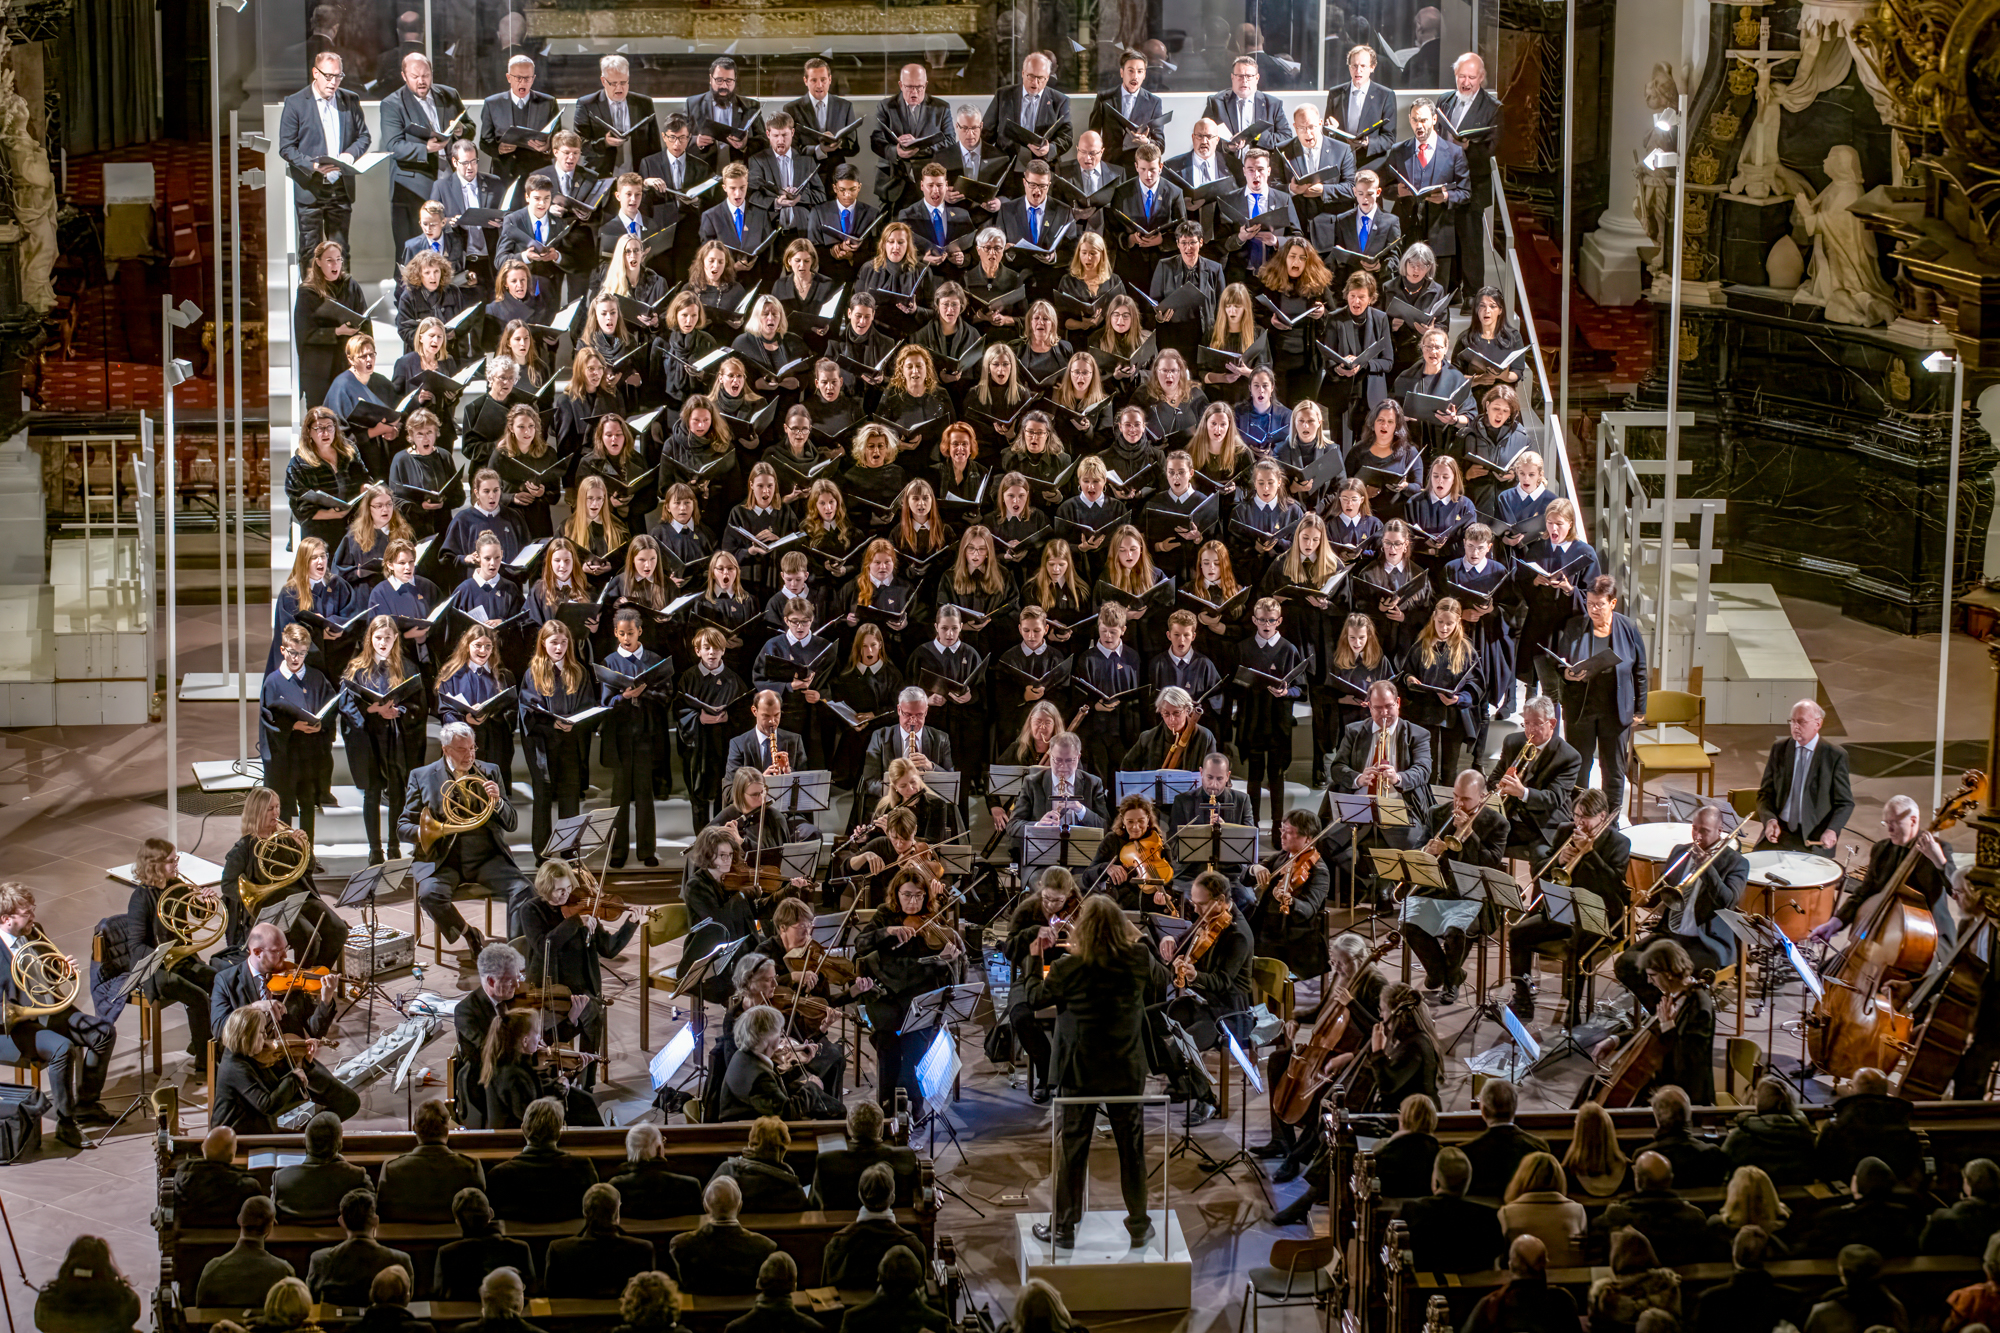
518,1068
569,932
1591,854
1215,801
807,1068
1930,877
1685,1011
1689,907
254,1083
907,953
1180,742
1438,925
1037,921
1402,1055
500,973
1133,859
1289,918
904,788
720,915
812,968
301,1002
1214,961
761,826
886,855
1351,975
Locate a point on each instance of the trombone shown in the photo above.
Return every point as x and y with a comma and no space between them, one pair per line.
463,806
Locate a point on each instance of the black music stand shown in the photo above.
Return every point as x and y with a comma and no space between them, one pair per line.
580,837
1218,845
692,976
810,791
1361,811
1070,846
1160,785
1583,912
944,1009
1813,989
142,972
361,890
1218,1168
1498,890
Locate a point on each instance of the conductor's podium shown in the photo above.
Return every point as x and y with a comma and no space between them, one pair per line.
1105,1271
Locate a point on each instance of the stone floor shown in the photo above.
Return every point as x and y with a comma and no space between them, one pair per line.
74,801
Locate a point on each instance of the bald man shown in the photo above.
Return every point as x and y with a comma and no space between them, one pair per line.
300,1013
1804,798
1037,110
1469,116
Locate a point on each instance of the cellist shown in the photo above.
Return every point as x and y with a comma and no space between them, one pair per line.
1930,877
1349,973
1686,1015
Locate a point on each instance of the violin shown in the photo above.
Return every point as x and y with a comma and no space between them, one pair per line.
602,905
1295,879
550,998
565,1059
313,981
1146,858
933,932
813,956
764,880
809,1010
288,1048
1215,919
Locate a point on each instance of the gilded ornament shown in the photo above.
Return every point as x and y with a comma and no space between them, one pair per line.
1697,216
1742,78
1899,382
1724,126
1690,341
1745,31
1706,167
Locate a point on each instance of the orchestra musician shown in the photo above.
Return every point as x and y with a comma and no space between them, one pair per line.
320,934
1215,801
1053,907
761,826
73,1046
1804,798
759,747
1288,921
1383,754
1065,796
925,747
1438,925
500,971
907,953
1180,742
791,933
1589,853
1219,975
301,1003
479,856
806,1087
254,1081
1402,1055
904,787
1930,877
720,914
1349,974
1685,1011
189,981
1132,858
1537,775
1690,906
518,1068
568,936
887,854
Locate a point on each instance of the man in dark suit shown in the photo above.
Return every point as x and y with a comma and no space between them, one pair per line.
1100,989
1243,106
1537,794
1501,1145
1253,221
342,1274
1362,110
535,234
1678,1230
720,1257
1469,116
478,856
903,124
758,747
519,108
1750,1300
416,130
782,179
480,1249
1386,751
1038,220
1313,153
1205,162
267,954
1148,202
1062,795
466,187
1088,174
611,119
1436,167
1135,104
854,1252
1600,869
322,196
1214,801
739,223
1367,229
435,237
677,168
597,1262
419,1186
542,1182
1691,918
1931,876
943,231
837,1171
723,105
1448,1232
1696,1164
1033,107
1805,805
820,113
649,1187
892,743
209,1190
310,1192
242,1277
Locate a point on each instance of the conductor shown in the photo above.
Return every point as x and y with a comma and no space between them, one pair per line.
1100,990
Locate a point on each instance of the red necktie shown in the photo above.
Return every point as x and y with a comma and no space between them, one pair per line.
1423,155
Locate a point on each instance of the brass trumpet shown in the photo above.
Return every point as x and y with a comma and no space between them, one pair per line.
463,807
46,975
193,918
279,862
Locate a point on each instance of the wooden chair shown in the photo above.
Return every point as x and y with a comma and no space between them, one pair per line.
1672,708
1743,800
151,1019
1296,1275
1742,1066
1271,983
664,924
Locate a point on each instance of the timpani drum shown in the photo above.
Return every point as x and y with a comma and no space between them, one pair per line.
1797,890
1652,844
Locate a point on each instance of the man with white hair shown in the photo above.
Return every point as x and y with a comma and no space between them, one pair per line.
1062,795
501,972
1037,113
513,125
606,118
1902,821
1180,741
268,954
1804,798
719,111
417,130
1469,116
909,737
476,856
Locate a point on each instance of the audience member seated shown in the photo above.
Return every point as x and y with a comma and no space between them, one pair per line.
310,1193
1534,1204
289,1305
480,1249
1697,1165
1873,1218
1525,1302
898,1305
777,1279
1594,1165
541,1183
343,1274
597,1262
1751,1300
420,1185
1638,1283
502,1298
1978,1304
719,1257
768,1182
837,1173
1448,1232
1774,1136
89,1294
1964,1227
1498,1151
1403,1161
1860,1302
209,1190
1750,1201
648,1187
1677,1229
855,1251
1040,1309
389,1306
1869,1122
243,1277
650,1303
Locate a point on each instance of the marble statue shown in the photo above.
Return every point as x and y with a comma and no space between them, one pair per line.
34,193
1759,173
1846,276
1653,206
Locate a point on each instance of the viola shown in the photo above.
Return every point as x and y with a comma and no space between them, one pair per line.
813,956
1215,919
1146,858
288,1048
313,981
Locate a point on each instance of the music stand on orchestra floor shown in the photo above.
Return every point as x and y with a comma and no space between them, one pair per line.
1221,1168
808,792
1494,889
581,837
1160,786
142,971
944,784
1071,846
361,890
937,1070
1813,991
1216,845
1583,912
1361,812
1005,782
693,975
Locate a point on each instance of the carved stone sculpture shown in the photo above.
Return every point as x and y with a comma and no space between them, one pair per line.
1845,275
34,192
1654,204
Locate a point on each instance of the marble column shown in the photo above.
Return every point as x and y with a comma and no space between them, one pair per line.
1646,34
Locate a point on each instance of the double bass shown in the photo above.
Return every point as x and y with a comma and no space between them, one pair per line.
1335,1034
1854,1025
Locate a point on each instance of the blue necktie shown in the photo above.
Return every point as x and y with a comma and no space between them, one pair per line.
1256,247
634,228
1364,233
1149,205
739,224
845,226
1035,225
538,232
436,249
937,225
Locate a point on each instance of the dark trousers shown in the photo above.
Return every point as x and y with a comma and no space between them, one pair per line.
329,1092
1531,933
325,221
1031,1041
1301,383
1079,1125
1600,730
1267,761
1626,966
403,206
558,796
632,794
1468,222
189,983
1794,840
1443,956
54,1040
292,810
437,883
1975,1067
896,1056
386,780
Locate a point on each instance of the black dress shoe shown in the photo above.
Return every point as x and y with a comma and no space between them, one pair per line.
1523,1001
94,1113
1448,996
68,1133
1293,1213
1286,1174
616,863
1064,1237
1271,1151
1040,1094
651,863
474,941
1140,1234
375,858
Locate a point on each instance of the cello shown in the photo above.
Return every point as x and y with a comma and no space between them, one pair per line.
1335,1034
1854,1026
1638,1059
1938,1042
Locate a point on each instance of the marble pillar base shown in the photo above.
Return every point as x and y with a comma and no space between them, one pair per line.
1609,266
